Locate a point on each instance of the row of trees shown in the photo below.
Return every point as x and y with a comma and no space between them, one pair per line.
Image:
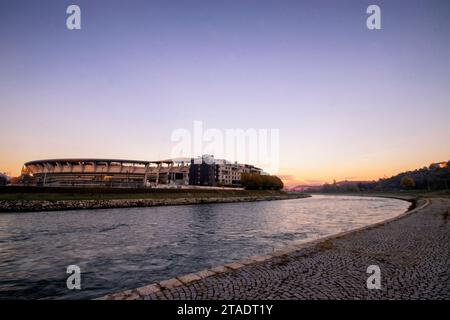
346,186
254,181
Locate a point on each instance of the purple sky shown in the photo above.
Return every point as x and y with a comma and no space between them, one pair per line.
349,102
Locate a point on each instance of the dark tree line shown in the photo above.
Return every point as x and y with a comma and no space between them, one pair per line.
433,178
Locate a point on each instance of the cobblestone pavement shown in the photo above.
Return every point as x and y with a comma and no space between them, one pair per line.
413,253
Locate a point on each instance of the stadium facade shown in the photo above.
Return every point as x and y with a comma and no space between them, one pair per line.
203,171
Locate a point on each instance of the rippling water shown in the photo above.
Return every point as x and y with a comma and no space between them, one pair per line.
118,249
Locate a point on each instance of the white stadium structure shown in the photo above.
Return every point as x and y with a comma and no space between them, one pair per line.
105,172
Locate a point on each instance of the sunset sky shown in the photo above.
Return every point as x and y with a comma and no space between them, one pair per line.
349,103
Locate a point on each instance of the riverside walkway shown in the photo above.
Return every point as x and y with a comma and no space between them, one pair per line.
413,253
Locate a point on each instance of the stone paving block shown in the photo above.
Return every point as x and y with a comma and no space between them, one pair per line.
171,283
125,295
205,273
247,262
147,290
234,265
188,278
261,258
133,296
220,269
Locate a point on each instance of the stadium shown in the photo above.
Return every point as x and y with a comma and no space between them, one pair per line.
105,172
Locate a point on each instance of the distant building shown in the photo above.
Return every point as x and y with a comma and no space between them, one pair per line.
203,173
207,171
230,173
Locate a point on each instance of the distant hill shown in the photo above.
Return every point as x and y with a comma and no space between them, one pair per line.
434,177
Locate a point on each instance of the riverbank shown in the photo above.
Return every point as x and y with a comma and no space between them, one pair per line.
412,251
58,201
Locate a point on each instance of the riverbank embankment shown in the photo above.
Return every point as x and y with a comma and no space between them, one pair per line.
58,199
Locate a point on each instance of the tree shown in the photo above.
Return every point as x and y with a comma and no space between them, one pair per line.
254,181
3,179
407,182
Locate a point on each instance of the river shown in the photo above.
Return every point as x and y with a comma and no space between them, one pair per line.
118,249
